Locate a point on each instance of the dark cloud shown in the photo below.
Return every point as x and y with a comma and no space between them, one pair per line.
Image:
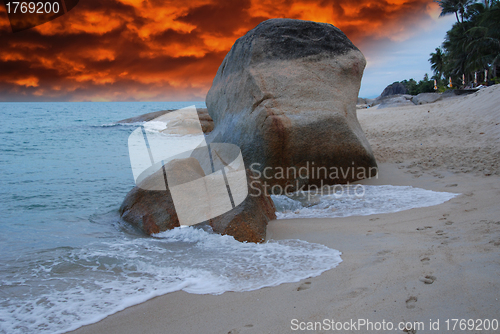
223,18
164,50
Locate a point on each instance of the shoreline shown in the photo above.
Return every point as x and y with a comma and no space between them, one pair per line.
384,258
440,262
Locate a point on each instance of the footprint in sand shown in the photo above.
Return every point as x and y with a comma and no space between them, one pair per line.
495,242
489,222
423,228
356,292
373,219
448,223
410,302
410,330
238,331
428,279
304,286
425,260
440,232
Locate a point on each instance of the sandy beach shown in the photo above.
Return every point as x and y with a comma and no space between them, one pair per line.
420,265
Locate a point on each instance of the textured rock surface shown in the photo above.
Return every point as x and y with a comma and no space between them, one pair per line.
396,101
286,94
207,124
153,211
248,221
394,89
424,98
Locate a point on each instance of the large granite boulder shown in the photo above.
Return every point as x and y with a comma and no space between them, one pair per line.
286,94
396,88
150,207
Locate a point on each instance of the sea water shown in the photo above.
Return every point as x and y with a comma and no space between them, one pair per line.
68,260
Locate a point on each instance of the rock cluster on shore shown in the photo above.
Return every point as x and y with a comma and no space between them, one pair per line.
395,95
286,95
151,209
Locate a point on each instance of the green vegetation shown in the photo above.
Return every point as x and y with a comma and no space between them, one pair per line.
423,86
471,46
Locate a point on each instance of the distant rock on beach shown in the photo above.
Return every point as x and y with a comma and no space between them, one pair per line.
396,95
395,101
207,124
396,88
286,94
424,98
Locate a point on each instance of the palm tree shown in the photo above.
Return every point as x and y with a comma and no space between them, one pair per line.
484,41
454,6
473,43
454,44
437,62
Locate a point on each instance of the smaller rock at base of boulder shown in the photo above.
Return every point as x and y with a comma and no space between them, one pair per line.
248,221
151,209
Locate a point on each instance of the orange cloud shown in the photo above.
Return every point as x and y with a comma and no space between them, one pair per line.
30,81
168,50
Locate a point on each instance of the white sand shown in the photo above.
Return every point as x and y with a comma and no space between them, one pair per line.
453,146
459,134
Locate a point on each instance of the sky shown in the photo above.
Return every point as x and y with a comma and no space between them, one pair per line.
157,50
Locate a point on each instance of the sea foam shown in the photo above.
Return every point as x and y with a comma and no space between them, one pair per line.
82,286
356,200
